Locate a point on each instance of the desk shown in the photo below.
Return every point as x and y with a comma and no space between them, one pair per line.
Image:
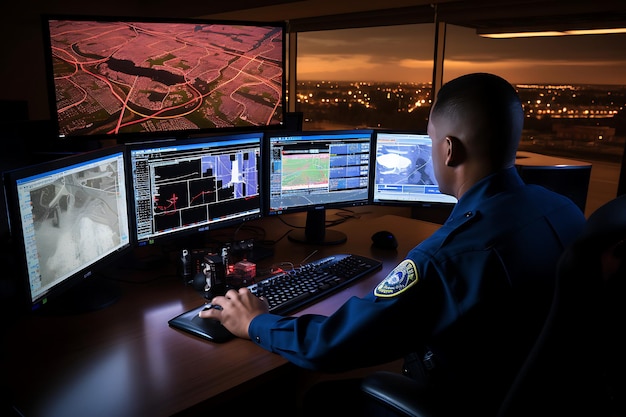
125,360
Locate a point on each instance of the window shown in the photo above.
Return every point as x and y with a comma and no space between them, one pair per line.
367,77
573,87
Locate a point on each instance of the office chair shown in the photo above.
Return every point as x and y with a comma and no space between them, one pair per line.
577,366
570,180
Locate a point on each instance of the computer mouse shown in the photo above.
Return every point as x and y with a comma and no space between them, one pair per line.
209,306
384,239
210,329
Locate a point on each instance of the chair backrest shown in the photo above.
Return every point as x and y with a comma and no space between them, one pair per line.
577,365
570,180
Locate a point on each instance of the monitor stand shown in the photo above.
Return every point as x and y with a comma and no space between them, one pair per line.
315,231
91,295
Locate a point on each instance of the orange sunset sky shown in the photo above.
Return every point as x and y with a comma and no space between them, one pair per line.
405,53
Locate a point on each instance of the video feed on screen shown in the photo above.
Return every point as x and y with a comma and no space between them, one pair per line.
72,217
404,171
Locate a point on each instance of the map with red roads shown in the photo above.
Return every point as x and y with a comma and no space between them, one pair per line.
124,77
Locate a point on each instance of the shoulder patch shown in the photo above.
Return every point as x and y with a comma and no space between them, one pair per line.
402,277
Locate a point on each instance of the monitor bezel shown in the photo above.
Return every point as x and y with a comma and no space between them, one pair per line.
269,211
401,203
197,231
86,275
77,140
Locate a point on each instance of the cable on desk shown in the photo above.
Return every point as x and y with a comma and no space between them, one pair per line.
273,242
344,215
258,233
308,257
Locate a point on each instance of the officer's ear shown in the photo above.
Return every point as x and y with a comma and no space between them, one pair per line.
455,151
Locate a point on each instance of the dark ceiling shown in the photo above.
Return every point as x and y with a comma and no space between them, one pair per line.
478,14
306,15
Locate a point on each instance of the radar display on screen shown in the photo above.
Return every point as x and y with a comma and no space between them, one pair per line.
404,172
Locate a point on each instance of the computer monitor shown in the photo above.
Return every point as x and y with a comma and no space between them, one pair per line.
138,77
311,171
403,172
193,186
68,218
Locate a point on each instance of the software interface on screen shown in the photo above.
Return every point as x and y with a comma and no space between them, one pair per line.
326,169
71,218
130,76
195,185
404,171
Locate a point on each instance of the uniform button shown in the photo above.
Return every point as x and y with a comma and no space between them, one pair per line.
258,339
468,214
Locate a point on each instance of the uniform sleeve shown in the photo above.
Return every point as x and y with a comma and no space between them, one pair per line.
334,343
382,326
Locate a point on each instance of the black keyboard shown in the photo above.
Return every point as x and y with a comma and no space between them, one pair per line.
288,291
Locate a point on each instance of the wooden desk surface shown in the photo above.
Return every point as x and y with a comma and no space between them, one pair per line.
125,360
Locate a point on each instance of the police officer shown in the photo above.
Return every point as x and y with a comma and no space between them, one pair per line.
466,304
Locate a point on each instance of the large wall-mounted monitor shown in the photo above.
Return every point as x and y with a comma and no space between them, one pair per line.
195,185
403,172
68,217
135,77
311,171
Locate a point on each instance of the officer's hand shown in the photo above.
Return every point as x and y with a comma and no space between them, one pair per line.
238,308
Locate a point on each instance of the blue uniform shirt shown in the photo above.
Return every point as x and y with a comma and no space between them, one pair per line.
475,293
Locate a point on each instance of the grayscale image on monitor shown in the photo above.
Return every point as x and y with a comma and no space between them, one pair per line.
67,217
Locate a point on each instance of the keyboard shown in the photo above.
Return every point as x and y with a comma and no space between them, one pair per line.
288,291
292,290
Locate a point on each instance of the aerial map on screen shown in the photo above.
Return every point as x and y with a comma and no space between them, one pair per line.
126,77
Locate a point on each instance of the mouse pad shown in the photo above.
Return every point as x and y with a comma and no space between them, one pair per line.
208,329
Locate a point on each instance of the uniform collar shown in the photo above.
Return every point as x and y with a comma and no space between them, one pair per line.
489,186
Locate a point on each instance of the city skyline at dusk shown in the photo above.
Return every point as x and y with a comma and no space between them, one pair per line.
405,54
